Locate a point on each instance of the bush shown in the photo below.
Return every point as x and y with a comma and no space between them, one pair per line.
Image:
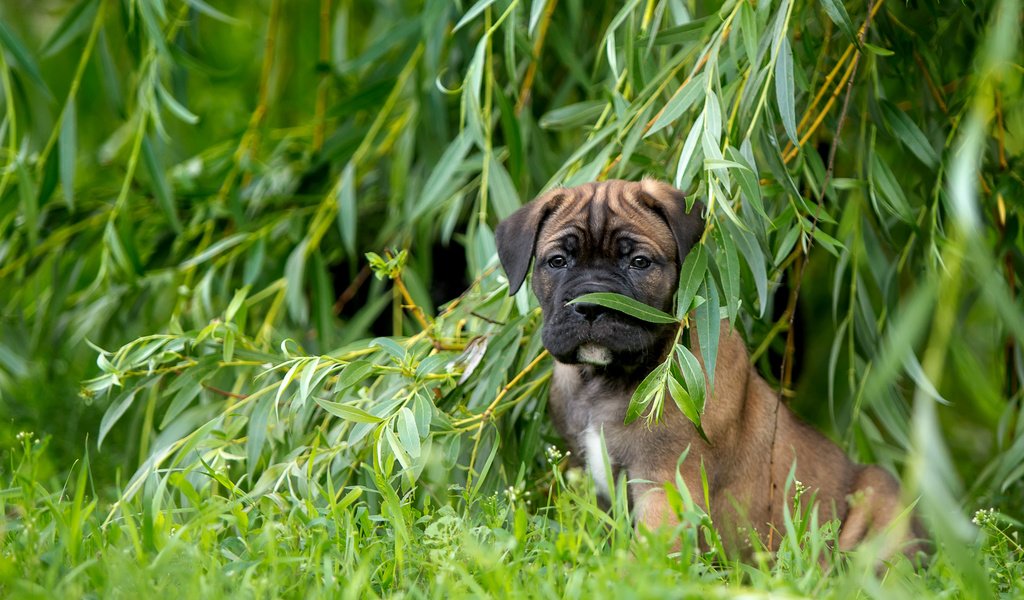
190,192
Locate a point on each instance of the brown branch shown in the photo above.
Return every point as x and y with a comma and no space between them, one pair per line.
538,45
417,312
791,151
801,266
351,290
935,91
225,393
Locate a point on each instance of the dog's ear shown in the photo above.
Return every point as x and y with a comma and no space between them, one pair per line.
670,203
516,236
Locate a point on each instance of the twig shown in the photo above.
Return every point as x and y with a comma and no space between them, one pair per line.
935,91
538,45
351,290
791,151
417,312
801,266
486,415
225,393
320,119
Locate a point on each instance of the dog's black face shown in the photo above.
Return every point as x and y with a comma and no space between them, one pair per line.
572,262
622,237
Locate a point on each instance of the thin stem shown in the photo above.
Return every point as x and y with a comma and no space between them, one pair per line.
538,45
787,358
320,119
76,83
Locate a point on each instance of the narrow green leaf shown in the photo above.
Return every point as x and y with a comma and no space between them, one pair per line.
713,121
256,432
708,328
785,92
408,432
390,346
729,268
536,10
626,305
679,104
191,385
786,244
295,277
747,178
682,399
573,116
229,345
177,108
645,392
27,194
398,450
686,155
353,373
441,177
347,208
347,412
215,249
49,180
504,197
909,134
836,10
682,34
472,13
75,22
306,379
23,57
878,50
236,302
751,251
67,148
212,12
114,413
161,188
693,376
690,276
748,27
884,181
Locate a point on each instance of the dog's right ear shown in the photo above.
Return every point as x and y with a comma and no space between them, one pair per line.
516,236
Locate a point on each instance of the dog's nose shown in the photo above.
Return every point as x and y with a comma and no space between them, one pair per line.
589,311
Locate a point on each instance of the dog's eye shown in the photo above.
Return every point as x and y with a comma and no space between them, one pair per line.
640,262
557,262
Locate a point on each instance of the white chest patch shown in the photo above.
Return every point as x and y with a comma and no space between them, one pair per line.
595,460
594,355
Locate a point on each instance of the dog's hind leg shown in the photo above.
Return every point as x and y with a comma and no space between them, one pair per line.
875,503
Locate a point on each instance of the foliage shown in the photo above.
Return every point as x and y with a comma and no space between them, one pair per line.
184,228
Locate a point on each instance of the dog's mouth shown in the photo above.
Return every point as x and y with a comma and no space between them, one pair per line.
612,339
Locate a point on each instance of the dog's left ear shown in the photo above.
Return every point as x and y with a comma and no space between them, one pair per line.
670,203
516,236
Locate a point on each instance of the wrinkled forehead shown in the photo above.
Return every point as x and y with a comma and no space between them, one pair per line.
604,217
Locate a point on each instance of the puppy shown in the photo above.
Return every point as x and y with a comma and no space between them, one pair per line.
631,238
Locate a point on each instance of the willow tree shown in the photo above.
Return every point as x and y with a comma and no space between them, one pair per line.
208,214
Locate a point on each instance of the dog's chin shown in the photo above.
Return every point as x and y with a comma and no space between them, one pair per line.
594,354
625,350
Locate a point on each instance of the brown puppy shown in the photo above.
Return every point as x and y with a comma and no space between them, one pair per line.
631,238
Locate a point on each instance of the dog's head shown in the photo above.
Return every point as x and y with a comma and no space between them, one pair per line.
613,236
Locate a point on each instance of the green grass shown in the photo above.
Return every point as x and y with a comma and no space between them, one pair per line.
230,239
544,539
548,541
